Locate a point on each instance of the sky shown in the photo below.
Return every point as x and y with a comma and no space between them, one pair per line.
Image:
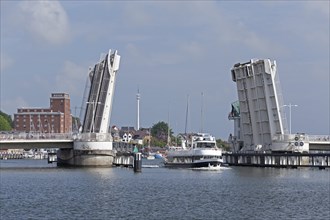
173,52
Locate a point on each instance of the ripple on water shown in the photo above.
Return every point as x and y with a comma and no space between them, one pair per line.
160,193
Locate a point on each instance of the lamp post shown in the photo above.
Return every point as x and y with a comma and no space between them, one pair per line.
290,106
94,107
75,118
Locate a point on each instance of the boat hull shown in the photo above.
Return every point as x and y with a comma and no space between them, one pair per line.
197,164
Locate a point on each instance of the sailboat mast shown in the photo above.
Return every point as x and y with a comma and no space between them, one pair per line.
168,129
138,110
185,129
202,113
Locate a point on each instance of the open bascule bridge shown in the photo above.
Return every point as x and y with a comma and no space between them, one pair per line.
93,144
261,137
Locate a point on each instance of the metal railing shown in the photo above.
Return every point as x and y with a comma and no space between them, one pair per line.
56,136
319,138
104,137
35,136
290,137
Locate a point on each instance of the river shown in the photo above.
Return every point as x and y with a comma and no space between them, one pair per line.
33,189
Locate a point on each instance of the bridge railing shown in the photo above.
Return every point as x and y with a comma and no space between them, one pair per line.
56,136
35,136
289,137
123,147
93,137
319,138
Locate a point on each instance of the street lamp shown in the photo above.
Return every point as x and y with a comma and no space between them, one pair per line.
290,105
94,107
76,129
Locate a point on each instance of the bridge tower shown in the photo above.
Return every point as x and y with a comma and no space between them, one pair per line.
259,118
93,145
99,102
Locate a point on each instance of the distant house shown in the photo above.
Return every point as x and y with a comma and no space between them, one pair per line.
129,134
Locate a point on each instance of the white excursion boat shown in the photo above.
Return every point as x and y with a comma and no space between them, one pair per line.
199,150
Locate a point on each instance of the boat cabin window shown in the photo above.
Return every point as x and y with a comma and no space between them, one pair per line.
206,145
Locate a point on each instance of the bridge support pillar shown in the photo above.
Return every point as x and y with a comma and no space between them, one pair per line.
87,153
73,157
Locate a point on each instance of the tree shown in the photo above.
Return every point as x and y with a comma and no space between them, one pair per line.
223,144
159,132
6,123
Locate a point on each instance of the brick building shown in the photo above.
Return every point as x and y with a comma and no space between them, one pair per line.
55,119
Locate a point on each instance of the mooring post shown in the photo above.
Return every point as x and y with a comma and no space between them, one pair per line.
137,162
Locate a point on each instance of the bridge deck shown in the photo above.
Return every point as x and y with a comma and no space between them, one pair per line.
31,144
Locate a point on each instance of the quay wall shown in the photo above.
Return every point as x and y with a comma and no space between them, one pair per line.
8,156
280,160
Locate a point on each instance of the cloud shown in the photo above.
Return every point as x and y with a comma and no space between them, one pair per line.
46,20
71,79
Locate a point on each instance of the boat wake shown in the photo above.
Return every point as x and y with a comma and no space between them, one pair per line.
150,166
211,168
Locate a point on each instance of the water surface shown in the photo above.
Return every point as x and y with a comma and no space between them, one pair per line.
33,189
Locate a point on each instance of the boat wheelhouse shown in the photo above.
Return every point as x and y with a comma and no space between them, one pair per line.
198,150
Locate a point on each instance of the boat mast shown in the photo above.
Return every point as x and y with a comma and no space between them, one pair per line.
138,110
202,113
185,129
168,129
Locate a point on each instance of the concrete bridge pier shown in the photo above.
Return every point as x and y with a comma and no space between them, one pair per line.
87,153
71,157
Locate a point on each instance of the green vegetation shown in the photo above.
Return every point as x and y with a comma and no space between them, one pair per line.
6,123
223,145
159,133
